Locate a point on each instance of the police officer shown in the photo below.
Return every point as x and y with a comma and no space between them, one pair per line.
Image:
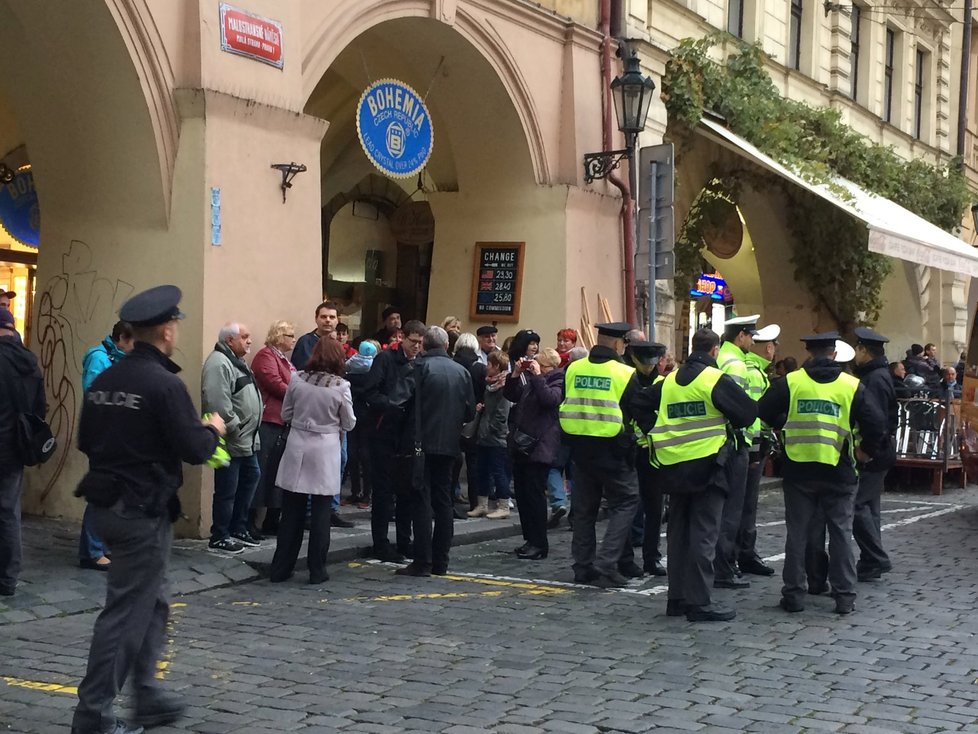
758,361
690,417
873,372
818,408
594,418
732,360
137,425
645,357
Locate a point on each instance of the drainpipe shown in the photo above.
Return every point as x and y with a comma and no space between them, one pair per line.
965,81
627,202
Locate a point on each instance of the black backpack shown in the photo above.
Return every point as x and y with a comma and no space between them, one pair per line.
33,441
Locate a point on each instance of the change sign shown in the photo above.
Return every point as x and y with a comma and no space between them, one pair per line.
394,127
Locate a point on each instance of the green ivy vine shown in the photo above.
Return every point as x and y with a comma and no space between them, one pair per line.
818,145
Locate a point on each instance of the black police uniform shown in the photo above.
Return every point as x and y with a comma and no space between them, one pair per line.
866,523
138,423
648,516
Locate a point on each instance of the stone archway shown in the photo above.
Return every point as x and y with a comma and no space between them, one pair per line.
101,144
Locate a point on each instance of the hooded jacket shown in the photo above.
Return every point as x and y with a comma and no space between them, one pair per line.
98,359
227,386
18,370
864,414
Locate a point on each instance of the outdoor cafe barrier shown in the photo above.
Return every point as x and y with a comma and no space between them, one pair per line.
929,434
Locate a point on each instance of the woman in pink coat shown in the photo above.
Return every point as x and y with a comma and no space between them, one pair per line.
273,370
319,405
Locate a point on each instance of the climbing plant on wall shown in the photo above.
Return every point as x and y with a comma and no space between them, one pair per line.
830,256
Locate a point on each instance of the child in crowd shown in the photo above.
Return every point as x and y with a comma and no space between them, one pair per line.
491,453
343,336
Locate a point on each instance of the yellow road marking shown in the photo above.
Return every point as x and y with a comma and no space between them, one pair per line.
163,664
35,685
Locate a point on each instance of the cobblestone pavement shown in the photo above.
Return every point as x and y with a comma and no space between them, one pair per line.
515,648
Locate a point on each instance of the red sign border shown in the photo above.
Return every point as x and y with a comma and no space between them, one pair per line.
225,46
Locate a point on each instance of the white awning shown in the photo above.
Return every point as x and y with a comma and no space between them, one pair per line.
893,230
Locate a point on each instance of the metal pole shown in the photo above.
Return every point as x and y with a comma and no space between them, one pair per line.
653,239
630,141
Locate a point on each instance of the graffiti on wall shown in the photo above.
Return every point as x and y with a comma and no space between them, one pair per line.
75,310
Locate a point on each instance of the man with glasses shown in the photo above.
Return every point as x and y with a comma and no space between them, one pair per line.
388,392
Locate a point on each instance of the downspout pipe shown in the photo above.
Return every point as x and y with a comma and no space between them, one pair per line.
965,80
627,200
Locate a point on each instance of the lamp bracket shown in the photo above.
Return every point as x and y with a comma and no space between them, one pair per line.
599,165
289,172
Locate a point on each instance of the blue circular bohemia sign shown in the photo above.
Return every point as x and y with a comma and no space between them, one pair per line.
394,128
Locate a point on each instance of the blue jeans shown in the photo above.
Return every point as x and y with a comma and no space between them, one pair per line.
90,545
234,488
555,486
492,465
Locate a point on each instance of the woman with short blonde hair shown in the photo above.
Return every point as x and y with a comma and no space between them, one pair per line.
451,323
278,332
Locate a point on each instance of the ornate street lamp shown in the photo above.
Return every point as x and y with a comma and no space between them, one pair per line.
632,94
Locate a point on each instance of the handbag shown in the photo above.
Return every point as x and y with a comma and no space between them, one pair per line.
275,454
521,443
33,441
470,429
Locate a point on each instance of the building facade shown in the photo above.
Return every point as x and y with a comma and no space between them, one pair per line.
150,137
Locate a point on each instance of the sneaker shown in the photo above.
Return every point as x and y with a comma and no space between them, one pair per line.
363,505
247,539
556,516
225,545
337,521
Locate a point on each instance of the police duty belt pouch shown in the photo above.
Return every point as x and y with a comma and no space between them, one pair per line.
100,488
33,440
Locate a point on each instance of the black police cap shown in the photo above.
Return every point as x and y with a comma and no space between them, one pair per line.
615,329
155,306
647,352
826,339
865,335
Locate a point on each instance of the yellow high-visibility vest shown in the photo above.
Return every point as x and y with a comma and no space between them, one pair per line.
592,398
818,424
688,426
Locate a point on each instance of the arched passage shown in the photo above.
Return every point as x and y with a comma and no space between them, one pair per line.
99,139
482,181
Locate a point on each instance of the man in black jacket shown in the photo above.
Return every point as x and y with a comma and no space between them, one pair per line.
873,372
443,402
810,406
20,376
698,485
387,391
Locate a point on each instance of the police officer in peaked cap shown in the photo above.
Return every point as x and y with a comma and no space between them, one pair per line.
872,369
138,424
594,418
738,338
818,409
645,357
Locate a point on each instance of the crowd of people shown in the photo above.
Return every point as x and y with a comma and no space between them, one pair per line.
566,432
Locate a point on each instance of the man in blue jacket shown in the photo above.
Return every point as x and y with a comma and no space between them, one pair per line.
91,550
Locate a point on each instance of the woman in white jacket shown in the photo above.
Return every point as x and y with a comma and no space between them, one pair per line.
319,406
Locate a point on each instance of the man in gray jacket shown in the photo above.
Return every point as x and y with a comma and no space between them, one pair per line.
228,388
